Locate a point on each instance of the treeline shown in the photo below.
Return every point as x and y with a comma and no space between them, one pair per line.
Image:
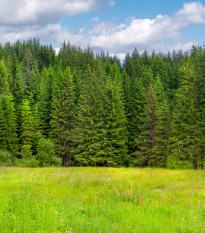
80,109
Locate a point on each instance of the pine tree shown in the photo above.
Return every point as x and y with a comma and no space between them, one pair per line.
3,91
199,103
16,89
135,116
125,89
16,81
31,78
37,130
8,135
62,116
87,132
45,97
3,137
185,129
161,149
4,88
114,142
27,130
147,139
129,66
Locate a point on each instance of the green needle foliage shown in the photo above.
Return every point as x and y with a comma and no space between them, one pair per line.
27,130
115,130
92,110
62,115
87,133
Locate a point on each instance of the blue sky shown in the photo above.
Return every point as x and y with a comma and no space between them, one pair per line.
117,26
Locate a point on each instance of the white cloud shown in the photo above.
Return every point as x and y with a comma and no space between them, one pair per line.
148,33
162,33
15,12
191,13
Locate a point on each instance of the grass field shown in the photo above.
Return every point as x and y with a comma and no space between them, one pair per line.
101,200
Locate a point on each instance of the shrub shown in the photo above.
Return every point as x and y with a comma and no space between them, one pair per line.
5,158
45,153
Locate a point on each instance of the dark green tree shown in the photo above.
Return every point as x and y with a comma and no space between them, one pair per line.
135,116
185,128
87,133
4,87
8,128
161,149
114,128
27,130
199,103
147,140
16,81
45,98
62,116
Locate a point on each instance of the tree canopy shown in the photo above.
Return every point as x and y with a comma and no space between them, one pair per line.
79,108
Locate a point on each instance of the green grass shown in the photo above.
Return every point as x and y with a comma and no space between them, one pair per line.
101,200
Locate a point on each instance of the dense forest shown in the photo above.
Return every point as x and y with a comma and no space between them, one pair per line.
77,108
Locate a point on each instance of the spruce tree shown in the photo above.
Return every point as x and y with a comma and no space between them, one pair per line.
62,116
185,133
4,87
161,149
27,130
135,115
45,97
8,135
16,81
147,140
87,133
114,128
3,137
199,103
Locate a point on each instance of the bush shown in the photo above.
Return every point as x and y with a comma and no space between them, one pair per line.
35,139
45,153
31,162
5,158
174,163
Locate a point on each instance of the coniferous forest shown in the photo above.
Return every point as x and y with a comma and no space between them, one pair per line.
77,108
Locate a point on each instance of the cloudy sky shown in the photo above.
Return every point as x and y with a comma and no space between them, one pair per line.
117,26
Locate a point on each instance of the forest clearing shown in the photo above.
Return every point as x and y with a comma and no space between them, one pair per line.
101,200
102,116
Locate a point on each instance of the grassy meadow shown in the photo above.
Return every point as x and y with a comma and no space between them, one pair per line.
101,200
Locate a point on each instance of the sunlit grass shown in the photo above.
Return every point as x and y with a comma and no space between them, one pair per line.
101,200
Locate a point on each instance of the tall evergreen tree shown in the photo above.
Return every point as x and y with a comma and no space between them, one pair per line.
16,81
147,139
135,116
114,128
88,124
45,98
199,103
62,116
27,130
4,88
3,137
185,128
161,149
8,135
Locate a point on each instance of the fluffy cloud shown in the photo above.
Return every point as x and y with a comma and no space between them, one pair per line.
162,33
192,13
27,12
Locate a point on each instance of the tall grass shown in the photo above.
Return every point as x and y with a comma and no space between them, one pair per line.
101,200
